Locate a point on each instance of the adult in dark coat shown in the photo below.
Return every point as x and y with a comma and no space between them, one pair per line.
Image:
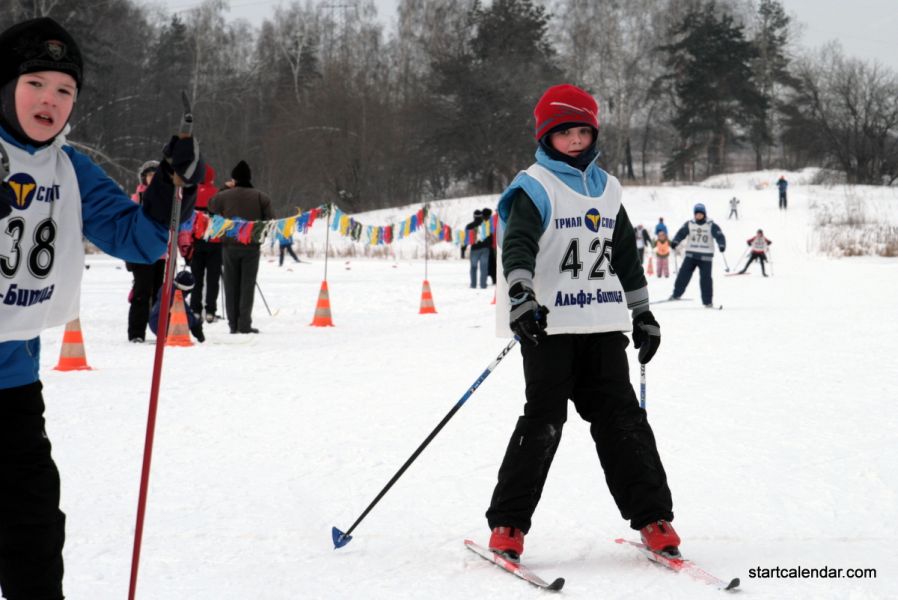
241,261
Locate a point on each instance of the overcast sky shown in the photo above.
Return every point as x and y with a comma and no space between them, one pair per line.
866,28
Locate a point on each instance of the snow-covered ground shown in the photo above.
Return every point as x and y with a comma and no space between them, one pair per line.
775,419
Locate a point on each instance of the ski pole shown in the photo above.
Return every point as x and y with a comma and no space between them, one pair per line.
727,267
342,538
641,386
676,268
185,131
263,299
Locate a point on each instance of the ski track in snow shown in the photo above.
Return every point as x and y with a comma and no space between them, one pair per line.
774,417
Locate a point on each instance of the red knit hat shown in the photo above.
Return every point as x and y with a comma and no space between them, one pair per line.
563,104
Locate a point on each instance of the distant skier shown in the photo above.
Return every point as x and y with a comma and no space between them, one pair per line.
643,241
758,245
662,254
782,184
734,208
559,252
700,234
660,226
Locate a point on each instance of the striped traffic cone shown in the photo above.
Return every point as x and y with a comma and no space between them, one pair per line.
322,316
427,307
71,357
650,270
494,297
178,329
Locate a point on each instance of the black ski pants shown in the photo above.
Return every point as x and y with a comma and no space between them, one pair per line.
761,258
205,264
241,266
147,282
32,528
706,284
592,371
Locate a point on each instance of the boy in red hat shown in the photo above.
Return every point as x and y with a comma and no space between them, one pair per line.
572,285
51,197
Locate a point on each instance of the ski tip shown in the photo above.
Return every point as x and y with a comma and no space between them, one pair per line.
340,538
620,541
556,585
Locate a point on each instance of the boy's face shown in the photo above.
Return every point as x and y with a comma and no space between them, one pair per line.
44,102
573,141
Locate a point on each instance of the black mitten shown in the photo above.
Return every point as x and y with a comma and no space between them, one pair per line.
527,317
646,335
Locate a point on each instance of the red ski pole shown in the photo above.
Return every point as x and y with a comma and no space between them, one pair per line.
171,262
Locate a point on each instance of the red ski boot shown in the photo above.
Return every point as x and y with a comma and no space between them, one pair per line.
508,541
660,537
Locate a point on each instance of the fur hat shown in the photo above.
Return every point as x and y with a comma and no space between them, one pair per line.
39,45
565,105
242,172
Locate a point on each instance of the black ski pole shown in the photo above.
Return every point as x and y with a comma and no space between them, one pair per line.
263,299
340,538
727,269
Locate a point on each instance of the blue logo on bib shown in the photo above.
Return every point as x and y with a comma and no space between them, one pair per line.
593,220
24,186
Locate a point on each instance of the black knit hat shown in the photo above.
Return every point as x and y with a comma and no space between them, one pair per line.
39,45
242,172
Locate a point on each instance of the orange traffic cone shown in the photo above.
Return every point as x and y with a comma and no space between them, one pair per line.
178,329
427,307
494,297
650,270
72,357
322,316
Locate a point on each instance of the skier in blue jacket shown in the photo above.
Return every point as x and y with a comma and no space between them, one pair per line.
52,196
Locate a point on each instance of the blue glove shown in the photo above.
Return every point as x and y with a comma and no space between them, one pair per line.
527,317
646,335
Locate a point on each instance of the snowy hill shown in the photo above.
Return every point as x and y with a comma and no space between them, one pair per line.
774,418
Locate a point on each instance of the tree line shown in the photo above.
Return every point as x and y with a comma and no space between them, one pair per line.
324,103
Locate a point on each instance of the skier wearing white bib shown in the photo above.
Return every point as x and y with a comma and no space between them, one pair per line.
51,197
700,234
567,244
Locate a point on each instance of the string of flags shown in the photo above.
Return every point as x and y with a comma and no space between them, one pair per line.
213,227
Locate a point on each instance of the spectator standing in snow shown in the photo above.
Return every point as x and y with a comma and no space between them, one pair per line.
479,254
241,261
759,245
147,278
734,208
41,76
491,220
782,184
205,261
643,241
662,254
700,234
660,226
554,215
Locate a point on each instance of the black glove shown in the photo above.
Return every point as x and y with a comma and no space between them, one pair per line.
183,154
674,245
7,199
527,317
158,197
646,335
723,248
